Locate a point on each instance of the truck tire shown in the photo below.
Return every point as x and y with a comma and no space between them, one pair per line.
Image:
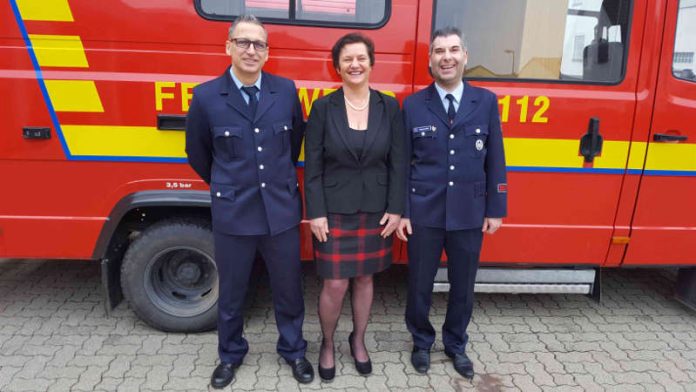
169,278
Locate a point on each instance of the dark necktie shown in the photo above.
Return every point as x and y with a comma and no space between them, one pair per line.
253,102
450,109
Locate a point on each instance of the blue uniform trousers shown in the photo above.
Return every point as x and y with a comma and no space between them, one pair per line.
425,247
234,256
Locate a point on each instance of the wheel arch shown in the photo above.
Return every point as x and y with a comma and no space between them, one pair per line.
135,212
157,204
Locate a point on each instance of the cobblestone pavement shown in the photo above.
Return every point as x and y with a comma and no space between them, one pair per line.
54,336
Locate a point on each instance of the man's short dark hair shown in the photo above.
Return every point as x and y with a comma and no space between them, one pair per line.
446,32
352,38
245,18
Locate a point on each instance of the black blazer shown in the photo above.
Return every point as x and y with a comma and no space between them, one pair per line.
336,179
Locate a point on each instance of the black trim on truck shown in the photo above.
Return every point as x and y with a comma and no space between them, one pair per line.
199,199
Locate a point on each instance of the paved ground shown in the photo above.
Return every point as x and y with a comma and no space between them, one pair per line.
55,336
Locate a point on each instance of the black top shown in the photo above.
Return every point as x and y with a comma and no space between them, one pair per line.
356,139
337,179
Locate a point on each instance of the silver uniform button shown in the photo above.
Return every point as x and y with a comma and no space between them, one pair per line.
218,194
451,167
434,128
422,133
263,185
261,167
285,127
478,130
451,152
259,148
227,133
451,136
256,130
451,183
413,189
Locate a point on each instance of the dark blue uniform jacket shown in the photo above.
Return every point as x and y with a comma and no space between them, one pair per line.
248,162
456,173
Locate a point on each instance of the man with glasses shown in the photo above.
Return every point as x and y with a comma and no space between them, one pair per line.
456,192
243,135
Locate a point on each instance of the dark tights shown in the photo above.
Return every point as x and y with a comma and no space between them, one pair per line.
330,304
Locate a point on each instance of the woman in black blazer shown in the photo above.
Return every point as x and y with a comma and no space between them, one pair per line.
354,193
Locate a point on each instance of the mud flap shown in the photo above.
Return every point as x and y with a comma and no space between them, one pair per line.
111,284
685,290
111,272
596,293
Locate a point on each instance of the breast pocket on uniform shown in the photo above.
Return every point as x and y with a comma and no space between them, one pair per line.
281,132
227,142
476,140
424,133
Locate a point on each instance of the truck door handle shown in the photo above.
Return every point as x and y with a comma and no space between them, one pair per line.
591,142
36,132
666,137
171,122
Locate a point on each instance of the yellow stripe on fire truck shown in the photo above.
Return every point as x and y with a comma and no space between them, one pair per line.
59,50
45,10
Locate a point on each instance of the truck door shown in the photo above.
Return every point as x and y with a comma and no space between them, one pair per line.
555,66
664,224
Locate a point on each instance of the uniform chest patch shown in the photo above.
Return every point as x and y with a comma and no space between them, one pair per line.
479,144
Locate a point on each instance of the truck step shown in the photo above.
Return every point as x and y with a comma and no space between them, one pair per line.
527,280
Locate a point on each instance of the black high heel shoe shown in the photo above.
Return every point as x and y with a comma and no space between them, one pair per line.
363,368
326,374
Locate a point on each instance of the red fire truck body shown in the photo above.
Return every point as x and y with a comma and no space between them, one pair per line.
597,100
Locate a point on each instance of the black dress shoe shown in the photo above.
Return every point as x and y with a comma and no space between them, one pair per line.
301,370
462,364
363,368
223,375
326,374
420,359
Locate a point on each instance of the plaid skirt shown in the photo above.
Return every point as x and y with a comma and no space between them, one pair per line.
354,247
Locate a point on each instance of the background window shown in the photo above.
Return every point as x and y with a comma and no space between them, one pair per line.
260,8
683,57
683,66
579,40
578,46
341,12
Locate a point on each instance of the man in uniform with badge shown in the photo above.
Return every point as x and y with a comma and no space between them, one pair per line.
456,192
243,135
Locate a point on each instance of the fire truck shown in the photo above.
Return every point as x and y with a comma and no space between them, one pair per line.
597,100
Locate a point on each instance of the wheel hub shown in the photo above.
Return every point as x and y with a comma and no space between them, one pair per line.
181,281
188,273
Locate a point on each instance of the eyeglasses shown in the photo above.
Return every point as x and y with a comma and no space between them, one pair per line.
243,43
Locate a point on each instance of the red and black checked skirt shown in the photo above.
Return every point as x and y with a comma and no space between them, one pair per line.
354,247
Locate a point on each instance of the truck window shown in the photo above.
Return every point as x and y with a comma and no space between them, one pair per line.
683,64
574,40
339,13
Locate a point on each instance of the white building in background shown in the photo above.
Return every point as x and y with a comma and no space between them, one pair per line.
580,32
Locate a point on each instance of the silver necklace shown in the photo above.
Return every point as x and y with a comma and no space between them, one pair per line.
358,108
